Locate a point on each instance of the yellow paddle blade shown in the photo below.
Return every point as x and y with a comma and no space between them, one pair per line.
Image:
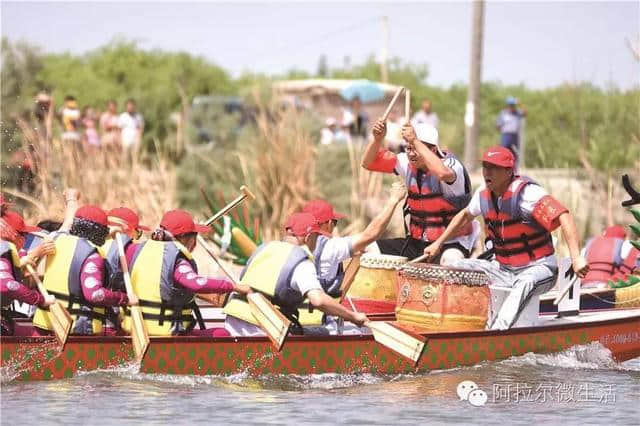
139,334
270,319
409,345
61,322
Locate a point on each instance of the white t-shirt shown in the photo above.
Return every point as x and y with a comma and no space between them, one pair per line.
335,251
131,126
455,189
530,196
304,278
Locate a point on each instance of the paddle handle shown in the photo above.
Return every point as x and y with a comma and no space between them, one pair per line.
125,268
38,281
407,105
203,244
385,116
246,193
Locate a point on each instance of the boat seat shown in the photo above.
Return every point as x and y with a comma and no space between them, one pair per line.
529,314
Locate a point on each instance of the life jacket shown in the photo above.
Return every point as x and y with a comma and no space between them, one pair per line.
167,309
517,241
269,271
62,279
603,257
629,265
112,257
9,251
307,315
430,210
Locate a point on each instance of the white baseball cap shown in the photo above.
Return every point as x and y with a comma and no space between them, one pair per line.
428,134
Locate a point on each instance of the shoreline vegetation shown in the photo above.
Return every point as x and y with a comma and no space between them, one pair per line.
580,138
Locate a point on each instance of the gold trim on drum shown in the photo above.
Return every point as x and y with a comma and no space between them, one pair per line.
382,261
404,292
444,274
429,294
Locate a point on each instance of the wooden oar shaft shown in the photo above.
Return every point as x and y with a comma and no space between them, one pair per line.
349,276
385,116
407,105
245,194
203,244
125,267
36,278
418,259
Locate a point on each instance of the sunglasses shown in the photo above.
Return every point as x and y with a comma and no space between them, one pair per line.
138,234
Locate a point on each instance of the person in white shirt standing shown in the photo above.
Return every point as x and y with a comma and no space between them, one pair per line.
131,125
438,187
519,217
426,115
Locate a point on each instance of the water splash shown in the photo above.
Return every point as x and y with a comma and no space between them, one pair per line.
25,361
592,356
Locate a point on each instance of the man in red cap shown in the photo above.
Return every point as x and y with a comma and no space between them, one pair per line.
330,252
283,270
165,278
12,231
438,187
519,216
606,255
77,275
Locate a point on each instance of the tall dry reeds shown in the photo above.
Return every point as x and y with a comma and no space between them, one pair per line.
107,178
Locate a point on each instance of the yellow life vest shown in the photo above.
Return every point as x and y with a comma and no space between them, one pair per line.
167,309
62,279
269,271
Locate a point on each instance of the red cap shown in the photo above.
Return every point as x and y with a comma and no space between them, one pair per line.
500,156
16,221
615,231
128,215
322,211
93,213
180,222
303,224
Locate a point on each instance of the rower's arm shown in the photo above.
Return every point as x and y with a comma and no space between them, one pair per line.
71,197
379,223
373,153
570,234
435,164
320,300
459,221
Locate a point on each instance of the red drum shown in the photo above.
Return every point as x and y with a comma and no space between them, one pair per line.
433,297
374,287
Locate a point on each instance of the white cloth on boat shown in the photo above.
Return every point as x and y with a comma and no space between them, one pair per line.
237,327
536,278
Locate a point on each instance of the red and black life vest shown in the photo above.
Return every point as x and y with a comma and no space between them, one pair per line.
603,256
517,240
629,265
429,209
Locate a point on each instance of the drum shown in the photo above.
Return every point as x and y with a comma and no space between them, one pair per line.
433,297
374,287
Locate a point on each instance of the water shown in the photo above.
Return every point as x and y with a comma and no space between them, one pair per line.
601,390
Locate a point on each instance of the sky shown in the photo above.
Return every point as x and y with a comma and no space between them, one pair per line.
539,44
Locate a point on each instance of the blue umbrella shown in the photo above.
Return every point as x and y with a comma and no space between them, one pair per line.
366,90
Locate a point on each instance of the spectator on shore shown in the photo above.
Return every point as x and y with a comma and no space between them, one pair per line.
90,137
70,117
43,104
331,133
426,115
355,119
131,126
110,132
508,123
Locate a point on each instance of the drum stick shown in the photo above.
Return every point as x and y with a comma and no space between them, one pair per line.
385,116
419,258
407,105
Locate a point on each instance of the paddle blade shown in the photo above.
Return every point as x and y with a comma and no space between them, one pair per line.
407,344
61,322
139,334
270,319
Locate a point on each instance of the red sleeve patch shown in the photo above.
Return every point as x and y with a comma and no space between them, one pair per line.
385,162
548,211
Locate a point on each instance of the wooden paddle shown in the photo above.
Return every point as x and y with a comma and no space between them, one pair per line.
385,116
407,105
349,275
271,320
139,332
59,317
403,342
245,194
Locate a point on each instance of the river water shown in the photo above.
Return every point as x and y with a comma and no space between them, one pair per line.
579,386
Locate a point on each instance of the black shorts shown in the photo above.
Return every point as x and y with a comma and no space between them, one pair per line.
412,248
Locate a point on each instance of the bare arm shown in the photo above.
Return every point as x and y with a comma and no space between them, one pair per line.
431,160
371,151
320,300
379,223
459,221
71,197
570,233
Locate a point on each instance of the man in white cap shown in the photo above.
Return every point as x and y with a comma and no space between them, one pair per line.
438,187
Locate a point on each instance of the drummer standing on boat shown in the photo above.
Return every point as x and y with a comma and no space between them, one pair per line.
519,217
438,188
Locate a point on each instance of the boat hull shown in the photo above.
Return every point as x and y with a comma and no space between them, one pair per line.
37,358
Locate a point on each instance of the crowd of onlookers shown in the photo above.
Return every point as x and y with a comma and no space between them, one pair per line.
92,129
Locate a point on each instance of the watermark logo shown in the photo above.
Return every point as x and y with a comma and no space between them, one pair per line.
468,391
